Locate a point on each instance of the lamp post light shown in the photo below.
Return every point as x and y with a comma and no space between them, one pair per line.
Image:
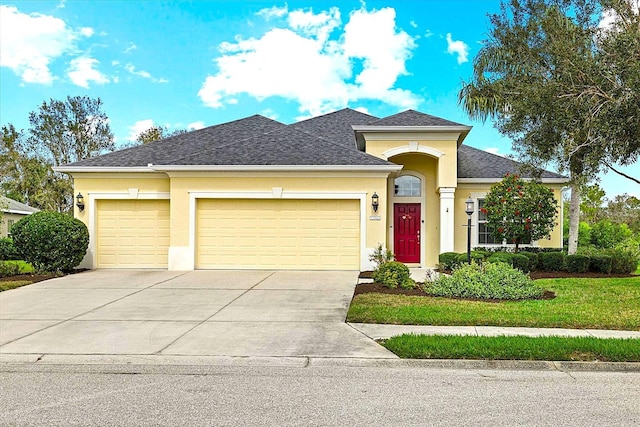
469,210
80,202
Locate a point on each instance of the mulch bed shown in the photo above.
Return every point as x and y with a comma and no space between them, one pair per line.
365,288
34,278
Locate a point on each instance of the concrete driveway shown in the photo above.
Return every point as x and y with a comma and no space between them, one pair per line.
197,313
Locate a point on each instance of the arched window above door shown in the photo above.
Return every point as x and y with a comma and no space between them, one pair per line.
407,186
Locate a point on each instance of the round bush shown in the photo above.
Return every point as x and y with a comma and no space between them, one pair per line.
448,260
623,261
51,241
505,257
488,281
552,261
393,274
577,263
601,264
533,259
8,250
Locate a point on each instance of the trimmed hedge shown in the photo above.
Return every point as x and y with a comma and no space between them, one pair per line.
51,241
600,263
577,263
8,268
552,261
533,259
623,261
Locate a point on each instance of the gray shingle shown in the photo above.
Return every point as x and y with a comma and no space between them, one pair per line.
166,151
474,163
413,118
336,126
284,146
7,204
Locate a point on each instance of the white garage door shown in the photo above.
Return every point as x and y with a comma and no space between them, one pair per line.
132,233
283,234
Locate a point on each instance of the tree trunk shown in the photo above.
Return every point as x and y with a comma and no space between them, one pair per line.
574,218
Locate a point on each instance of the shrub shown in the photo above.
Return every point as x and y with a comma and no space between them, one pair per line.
448,260
577,263
8,250
394,274
552,261
9,269
505,257
381,256
51,241
475,256
488,281
623,261
600,263
533,259
521,262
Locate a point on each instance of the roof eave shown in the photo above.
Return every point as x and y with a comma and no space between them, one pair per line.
461,129
494,180
276,168
77,169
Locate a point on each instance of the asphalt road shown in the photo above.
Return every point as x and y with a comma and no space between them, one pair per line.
327,395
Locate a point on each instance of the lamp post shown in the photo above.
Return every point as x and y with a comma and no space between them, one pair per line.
469,210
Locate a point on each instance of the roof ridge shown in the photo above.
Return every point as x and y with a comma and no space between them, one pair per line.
334,112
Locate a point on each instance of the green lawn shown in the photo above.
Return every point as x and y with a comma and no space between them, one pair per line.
514,348
5,286
580,303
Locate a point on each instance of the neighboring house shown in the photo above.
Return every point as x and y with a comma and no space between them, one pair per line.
256,193
12,212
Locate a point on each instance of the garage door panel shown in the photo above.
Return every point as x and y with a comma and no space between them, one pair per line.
287,234
132,233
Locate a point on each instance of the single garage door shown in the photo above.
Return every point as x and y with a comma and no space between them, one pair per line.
283,234
132,233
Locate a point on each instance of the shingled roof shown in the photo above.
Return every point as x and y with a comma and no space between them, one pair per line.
337,126
413,118
166,151
475,163
327,140
13,206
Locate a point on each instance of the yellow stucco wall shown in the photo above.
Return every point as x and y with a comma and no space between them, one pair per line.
447,172
479,190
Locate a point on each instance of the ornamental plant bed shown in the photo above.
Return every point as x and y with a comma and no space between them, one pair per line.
364,288
34,278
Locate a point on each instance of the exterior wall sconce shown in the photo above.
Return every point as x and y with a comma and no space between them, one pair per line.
80,201
469,208
374,201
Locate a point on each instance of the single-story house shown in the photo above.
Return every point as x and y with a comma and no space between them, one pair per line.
321,193
12,211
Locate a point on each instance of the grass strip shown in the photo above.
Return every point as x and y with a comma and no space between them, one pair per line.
5,286
579,304
515,348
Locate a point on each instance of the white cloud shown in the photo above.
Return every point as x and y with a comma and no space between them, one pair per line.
304,63
195,125
413,24
363,110
609,16
459,48
273,12
144,74
86,31
30,42
81,71
131,48
428,33
269,113
138,127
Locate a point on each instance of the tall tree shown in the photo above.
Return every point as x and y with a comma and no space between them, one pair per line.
156,133
63,132
562,86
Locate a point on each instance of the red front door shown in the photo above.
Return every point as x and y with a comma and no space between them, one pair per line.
406,226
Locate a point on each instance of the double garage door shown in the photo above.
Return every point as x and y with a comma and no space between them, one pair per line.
234,233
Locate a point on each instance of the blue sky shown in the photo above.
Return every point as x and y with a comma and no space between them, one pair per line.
198,63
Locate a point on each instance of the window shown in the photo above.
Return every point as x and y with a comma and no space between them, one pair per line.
485,232
407,186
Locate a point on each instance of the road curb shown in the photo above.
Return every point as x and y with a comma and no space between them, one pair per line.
127,363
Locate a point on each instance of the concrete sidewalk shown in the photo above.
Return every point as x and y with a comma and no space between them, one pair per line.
378,331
